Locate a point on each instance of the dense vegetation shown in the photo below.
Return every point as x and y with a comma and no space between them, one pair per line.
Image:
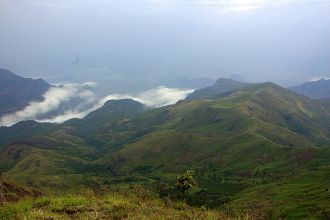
258,147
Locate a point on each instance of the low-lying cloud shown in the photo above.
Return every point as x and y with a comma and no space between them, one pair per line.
73,100
313,79
161,96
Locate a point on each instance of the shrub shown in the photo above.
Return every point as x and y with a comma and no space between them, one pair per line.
184,182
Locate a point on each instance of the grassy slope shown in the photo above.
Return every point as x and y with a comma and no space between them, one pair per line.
12,192
55,161
242,124
259,144
119,205
241,134
24,130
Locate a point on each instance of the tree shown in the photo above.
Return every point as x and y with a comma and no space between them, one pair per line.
184,182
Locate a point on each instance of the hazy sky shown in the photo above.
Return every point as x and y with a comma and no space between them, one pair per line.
286,41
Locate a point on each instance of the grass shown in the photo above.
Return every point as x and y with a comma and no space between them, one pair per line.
139,204
304,196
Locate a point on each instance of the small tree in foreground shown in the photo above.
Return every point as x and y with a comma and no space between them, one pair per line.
184,182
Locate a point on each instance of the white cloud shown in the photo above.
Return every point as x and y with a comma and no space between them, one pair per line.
161,96
238,5
76,113
71,100
52,100
313,79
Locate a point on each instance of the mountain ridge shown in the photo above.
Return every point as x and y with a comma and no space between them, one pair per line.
319,89
222,85
258,138
17,92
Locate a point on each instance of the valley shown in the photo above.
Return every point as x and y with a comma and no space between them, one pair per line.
258,147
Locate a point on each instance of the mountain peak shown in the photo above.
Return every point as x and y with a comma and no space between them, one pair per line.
16,92
117,108
122,102
8,75
224,80
222,85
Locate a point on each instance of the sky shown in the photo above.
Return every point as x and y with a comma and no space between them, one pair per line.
128,45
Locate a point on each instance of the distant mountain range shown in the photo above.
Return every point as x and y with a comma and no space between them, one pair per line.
315,90
244,142
16,92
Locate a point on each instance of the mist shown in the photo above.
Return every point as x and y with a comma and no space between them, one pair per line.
74,100
138,45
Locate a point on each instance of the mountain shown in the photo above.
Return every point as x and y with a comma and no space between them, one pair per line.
237,77
258,117
315,90
23,130
96,122
221,86
17,92
116,109
259,146
324,103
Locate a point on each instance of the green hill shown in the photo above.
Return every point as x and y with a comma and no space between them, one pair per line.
258,146
23,130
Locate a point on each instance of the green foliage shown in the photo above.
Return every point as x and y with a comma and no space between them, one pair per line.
39,203
12,210
184,182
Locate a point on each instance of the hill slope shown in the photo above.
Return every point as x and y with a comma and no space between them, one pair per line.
258,117
257,140
11,192
118,205
315,90
16,92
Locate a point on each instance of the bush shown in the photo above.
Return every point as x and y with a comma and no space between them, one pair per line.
184,182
